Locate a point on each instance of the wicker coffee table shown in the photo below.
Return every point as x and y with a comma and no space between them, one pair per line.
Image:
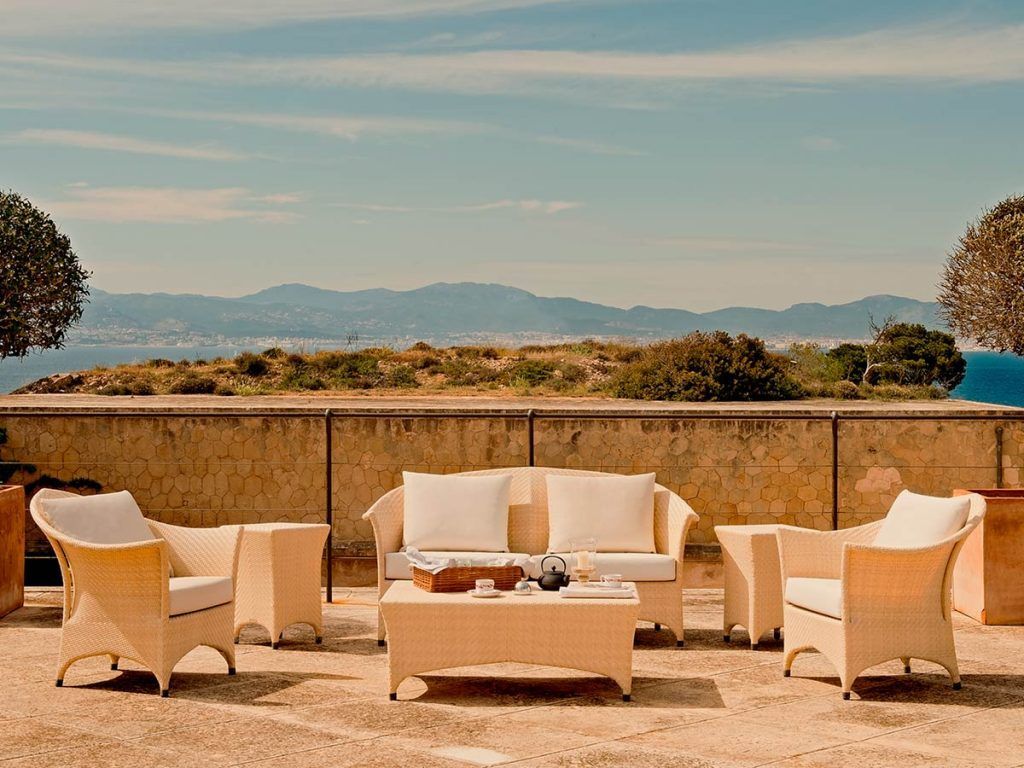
429,631
753,580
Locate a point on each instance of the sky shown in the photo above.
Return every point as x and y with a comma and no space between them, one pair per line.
688,153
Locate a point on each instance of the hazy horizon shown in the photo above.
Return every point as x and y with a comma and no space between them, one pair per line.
655,152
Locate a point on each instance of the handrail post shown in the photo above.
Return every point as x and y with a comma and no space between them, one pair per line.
835,470
999,456
328,434
530,415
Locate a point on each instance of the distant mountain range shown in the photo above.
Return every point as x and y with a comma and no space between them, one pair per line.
452,313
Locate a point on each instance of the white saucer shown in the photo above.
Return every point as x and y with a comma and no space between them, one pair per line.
475,593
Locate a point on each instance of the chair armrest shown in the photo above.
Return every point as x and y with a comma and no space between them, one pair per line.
201,551
809,553
119,581
904,581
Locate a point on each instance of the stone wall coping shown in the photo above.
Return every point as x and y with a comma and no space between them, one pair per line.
489,406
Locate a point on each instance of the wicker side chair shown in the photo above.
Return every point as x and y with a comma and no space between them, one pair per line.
120,600
885,602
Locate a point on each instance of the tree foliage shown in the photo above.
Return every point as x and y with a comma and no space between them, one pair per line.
910,354
851,360
42,285
706,366
982,288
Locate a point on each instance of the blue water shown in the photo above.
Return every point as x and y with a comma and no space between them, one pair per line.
991,377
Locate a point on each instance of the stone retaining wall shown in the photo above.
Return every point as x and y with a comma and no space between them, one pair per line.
747,465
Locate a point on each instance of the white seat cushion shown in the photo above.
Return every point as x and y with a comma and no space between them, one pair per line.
919,521
632,566
456,512
196,593
396,564
617,510
106,518
824,596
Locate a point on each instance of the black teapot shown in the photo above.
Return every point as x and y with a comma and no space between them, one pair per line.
553,579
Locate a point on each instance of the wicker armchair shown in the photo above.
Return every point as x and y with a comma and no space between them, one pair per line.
889,603
660,601
118,598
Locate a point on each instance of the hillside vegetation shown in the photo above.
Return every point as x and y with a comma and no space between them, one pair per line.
698,367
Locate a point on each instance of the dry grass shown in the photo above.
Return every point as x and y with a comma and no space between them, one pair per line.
581,369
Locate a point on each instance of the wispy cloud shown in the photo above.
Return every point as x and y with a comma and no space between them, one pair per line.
169,205
546,207
23,18
351,127
588,146
820,143
932,53
115,143
727,245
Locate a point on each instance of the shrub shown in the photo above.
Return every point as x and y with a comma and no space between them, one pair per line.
193,384
224,390
135,388
300,378
249,364
531,372
351,370
421,346
159,362
401,377
706,366
846,390
459,372
273,353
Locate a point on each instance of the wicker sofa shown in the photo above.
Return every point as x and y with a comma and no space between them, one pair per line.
658,575
149,592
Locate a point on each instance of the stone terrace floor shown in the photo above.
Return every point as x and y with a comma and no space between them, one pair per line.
708,704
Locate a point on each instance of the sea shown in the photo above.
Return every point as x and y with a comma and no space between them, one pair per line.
991,377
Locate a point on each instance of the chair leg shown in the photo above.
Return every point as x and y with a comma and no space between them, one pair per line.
777,633
113,662
906,664
657,627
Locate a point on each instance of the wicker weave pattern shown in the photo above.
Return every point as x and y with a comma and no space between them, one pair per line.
660,601
896,603
429,632
753,579
116,596
279,578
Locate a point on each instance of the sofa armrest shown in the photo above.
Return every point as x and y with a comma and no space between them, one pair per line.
679,517
386,516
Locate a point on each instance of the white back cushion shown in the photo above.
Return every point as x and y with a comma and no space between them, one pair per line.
455,512
918,521
617,510
106,518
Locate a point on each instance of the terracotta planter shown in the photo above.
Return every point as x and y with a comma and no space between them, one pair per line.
12,548
988,581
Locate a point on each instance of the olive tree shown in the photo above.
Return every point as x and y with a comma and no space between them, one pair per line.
42,285
982,289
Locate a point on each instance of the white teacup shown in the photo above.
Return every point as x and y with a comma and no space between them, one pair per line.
485,585
611,579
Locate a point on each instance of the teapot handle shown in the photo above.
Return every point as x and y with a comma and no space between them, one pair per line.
562,561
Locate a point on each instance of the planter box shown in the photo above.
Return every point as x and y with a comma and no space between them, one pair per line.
988,580
12,548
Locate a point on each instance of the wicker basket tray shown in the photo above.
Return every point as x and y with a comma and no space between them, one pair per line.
463,578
